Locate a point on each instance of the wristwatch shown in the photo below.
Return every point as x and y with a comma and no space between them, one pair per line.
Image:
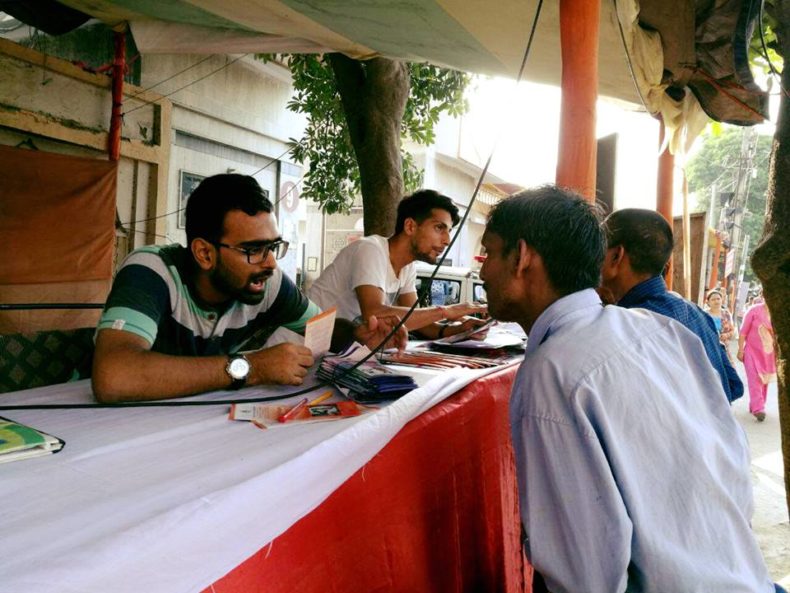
238,369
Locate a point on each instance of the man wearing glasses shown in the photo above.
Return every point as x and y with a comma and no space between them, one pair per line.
177,317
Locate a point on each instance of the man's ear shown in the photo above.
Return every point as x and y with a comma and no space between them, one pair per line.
614,263
205,253
614,257
524,255
409,226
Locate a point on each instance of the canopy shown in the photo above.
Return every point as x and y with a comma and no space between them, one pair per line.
651,52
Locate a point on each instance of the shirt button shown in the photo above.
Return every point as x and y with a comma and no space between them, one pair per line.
212,316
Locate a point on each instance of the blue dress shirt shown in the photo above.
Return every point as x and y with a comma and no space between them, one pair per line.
652,294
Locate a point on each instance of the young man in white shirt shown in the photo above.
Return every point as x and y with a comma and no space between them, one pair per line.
376,276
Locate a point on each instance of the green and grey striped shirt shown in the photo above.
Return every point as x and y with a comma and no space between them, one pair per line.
151,297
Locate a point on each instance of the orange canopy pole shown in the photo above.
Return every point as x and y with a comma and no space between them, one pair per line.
579,49
665,184
118,68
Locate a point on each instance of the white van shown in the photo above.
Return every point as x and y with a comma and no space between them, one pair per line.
451,285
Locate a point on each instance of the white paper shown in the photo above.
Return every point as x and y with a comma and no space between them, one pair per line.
318,332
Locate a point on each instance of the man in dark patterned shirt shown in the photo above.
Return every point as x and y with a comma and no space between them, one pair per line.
639,245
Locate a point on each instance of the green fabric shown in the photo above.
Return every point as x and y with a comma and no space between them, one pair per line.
176,11
377,24
130,321
299,325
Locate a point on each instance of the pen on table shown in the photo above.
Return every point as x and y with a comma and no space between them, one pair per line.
321,398
291,414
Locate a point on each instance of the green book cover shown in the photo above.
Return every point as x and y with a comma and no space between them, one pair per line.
19,441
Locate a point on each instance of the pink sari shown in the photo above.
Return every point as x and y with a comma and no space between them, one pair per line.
758,354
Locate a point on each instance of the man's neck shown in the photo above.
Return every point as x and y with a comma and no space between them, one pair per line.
401,254
628,282
205,294
637,280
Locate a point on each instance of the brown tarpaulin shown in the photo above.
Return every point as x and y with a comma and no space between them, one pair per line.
57,230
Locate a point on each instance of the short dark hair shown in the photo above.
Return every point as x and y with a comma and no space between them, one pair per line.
419,205
644,234
561,226
218,195
713,291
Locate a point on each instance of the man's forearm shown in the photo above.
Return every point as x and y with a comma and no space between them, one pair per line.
419,318
145,375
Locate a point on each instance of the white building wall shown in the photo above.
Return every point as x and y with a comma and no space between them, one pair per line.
234,120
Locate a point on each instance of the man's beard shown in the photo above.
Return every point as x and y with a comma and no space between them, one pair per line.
221,282
498,307
428,257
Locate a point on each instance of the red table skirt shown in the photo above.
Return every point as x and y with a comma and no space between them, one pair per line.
436,510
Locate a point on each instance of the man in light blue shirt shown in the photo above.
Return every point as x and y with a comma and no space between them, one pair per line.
633,474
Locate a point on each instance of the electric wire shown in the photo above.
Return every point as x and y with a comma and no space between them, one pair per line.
171,77
628,59
777,74
213,72
171,213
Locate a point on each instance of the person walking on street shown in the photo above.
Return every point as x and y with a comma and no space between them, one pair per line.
756,351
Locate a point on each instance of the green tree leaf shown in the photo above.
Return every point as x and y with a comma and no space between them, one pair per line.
332,178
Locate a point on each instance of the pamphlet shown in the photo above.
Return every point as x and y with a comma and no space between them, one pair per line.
19,441
318,332
370,382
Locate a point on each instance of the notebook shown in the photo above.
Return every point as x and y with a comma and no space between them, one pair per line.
19,441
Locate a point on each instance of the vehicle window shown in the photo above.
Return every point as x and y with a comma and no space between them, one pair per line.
478,293
443,292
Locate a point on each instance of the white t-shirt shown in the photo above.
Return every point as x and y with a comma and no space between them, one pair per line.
366,262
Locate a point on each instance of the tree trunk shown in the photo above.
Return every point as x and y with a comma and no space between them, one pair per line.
374,95
771,259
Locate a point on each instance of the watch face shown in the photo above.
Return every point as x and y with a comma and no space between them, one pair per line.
238,368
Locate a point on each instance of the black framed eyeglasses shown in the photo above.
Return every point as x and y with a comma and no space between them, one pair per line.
258,253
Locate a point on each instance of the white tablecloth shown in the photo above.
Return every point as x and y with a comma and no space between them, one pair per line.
168,500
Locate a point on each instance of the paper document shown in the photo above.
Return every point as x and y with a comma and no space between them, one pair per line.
318,332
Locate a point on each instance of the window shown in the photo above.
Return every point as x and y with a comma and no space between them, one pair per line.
443,292
187,184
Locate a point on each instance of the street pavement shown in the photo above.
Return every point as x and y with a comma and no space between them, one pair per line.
770,520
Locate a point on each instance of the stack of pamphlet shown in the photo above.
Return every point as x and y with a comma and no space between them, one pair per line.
368,383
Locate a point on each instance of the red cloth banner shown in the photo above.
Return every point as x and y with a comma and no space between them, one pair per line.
436,510
57,217
57,228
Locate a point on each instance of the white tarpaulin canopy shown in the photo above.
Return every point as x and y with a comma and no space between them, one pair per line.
668,44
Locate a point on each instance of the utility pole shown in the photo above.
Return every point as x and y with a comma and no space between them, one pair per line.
734,210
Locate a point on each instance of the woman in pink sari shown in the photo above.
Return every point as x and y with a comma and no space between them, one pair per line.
756,351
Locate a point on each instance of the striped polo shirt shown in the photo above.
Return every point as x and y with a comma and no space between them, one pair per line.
152,297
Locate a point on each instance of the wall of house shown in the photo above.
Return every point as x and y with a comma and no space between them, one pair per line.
228,114
50,105
233,120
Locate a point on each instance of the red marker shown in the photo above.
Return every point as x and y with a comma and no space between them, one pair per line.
293,412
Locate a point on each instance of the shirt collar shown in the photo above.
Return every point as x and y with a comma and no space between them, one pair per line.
647,288
553,316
